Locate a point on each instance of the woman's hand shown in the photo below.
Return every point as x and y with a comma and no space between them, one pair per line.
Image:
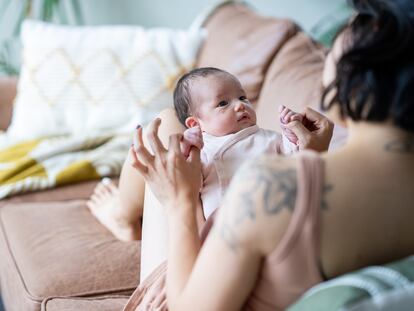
314,132
170,175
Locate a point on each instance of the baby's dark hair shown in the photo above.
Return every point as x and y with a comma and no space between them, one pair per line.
182,94
375,74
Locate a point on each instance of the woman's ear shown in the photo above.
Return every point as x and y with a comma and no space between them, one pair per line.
191,122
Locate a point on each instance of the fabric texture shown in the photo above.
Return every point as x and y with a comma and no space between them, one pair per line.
243,43
294,79
46,163
59,249
388,287
78,191
106,303
293,267
78,79
287,272
222,156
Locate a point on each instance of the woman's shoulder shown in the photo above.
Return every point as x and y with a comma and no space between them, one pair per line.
262,197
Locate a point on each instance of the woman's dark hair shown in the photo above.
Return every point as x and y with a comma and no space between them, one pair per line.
182,93
375,75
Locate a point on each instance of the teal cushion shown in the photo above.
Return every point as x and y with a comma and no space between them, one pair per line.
350,288
326,28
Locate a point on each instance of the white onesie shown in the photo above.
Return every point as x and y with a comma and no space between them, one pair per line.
222,156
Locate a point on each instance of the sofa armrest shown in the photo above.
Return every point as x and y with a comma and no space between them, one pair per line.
7,95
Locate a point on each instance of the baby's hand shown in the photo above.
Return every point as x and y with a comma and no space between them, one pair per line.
287,116
192,138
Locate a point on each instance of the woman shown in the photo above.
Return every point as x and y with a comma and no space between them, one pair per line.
289,223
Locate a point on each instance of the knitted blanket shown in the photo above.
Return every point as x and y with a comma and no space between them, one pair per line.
49,162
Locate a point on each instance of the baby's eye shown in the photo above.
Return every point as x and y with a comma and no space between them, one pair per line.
243,98
223,103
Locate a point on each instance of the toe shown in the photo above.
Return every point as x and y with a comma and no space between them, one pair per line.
112,188
102,191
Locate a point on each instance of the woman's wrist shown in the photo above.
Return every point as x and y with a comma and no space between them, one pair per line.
182,203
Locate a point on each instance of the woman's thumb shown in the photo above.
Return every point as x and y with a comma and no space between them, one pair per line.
301,132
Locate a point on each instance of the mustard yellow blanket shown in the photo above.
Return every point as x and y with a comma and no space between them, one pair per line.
50,162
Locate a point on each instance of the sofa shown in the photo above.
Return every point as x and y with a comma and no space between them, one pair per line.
54,255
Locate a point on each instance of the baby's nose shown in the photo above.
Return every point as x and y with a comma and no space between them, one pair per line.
239,106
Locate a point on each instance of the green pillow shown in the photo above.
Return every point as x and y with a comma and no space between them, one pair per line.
352,287
326,28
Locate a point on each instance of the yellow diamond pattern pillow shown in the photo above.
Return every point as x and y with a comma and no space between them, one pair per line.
93,79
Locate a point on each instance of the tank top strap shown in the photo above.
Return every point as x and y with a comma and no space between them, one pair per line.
302,237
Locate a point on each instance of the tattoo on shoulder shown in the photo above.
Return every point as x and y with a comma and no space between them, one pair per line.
279,190
405,145
262,188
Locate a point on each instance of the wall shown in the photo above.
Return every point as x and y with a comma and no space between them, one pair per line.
180,13
153,13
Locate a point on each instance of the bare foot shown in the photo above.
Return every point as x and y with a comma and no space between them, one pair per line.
105,205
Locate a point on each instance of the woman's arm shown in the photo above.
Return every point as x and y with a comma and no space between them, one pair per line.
249,225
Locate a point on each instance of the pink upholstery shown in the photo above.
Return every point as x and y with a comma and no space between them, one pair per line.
106,303
60,249
244,43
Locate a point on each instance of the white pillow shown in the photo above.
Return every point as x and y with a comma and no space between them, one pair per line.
77,79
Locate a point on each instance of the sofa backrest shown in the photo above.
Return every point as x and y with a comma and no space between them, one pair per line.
275,61
294,79
244,43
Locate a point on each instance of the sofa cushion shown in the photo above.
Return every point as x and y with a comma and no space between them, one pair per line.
107,303
294,79
60,249
243,43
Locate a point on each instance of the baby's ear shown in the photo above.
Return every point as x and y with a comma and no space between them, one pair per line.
191,122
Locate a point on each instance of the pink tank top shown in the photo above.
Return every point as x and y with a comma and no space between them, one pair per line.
287,272
294,266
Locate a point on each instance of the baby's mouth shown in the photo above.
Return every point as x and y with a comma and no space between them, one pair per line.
244,117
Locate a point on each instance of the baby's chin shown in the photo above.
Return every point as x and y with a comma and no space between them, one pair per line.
245,124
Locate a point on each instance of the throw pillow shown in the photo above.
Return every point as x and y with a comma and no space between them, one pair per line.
346,292
93,79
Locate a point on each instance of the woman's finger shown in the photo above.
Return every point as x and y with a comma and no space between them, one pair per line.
296,117
153,138
136,163
320,123
301,132
174,143
313,115
140,150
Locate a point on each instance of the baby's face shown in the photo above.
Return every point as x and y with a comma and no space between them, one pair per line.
221,105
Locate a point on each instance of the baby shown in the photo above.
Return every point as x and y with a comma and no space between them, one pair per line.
213,105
